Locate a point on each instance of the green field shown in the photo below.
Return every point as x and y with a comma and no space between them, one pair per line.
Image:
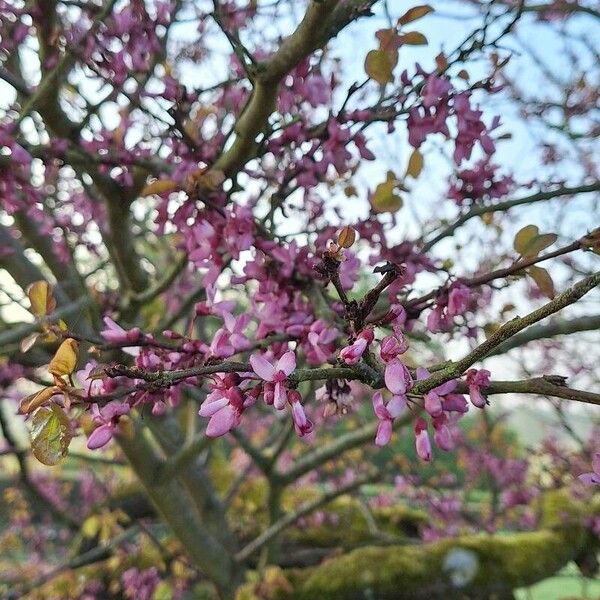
568,584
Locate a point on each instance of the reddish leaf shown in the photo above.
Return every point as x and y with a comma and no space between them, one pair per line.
414,13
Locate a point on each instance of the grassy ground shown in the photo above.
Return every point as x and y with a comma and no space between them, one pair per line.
568,584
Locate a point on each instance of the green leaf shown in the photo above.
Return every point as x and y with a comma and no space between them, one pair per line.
542,280
379,66
524,237
50,434
529,242
384,198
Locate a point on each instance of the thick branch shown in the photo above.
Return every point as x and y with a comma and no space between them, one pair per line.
173,502
322,21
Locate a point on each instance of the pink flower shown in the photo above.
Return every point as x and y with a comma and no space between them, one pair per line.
108,418
386,415
224,411
442,436
455,403
397,377
302,424
435,319
353,353
594,477
225,405
391,346
476,379
433,404
276,374
115,334
230,339
320,340
458,299
422,442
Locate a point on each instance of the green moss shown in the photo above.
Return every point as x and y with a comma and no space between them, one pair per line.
558,508
348,526
501,563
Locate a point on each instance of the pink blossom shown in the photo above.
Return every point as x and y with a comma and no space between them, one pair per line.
224,405
592,478
458,299
391,346
230,339
442,436
422,442
476,379
115,334
275,373
386,413
302,424
435,319
397,377
433,404
352,354
320,342
108,418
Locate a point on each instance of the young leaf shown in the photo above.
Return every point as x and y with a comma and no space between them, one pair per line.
414,13
529,242
378,66
542,280
50,434
384,198
28,342
34,401
41,298
415,164
414,38
346,237
441,62
541,242
65,359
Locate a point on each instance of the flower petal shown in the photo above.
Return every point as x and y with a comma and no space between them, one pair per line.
279,396
262,367
590,478
596,463
397,377
100,437
384,433
209,407
221,422
287,363
397,405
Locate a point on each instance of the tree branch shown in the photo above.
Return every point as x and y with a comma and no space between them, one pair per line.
554,328
322,21
477,211
306,508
